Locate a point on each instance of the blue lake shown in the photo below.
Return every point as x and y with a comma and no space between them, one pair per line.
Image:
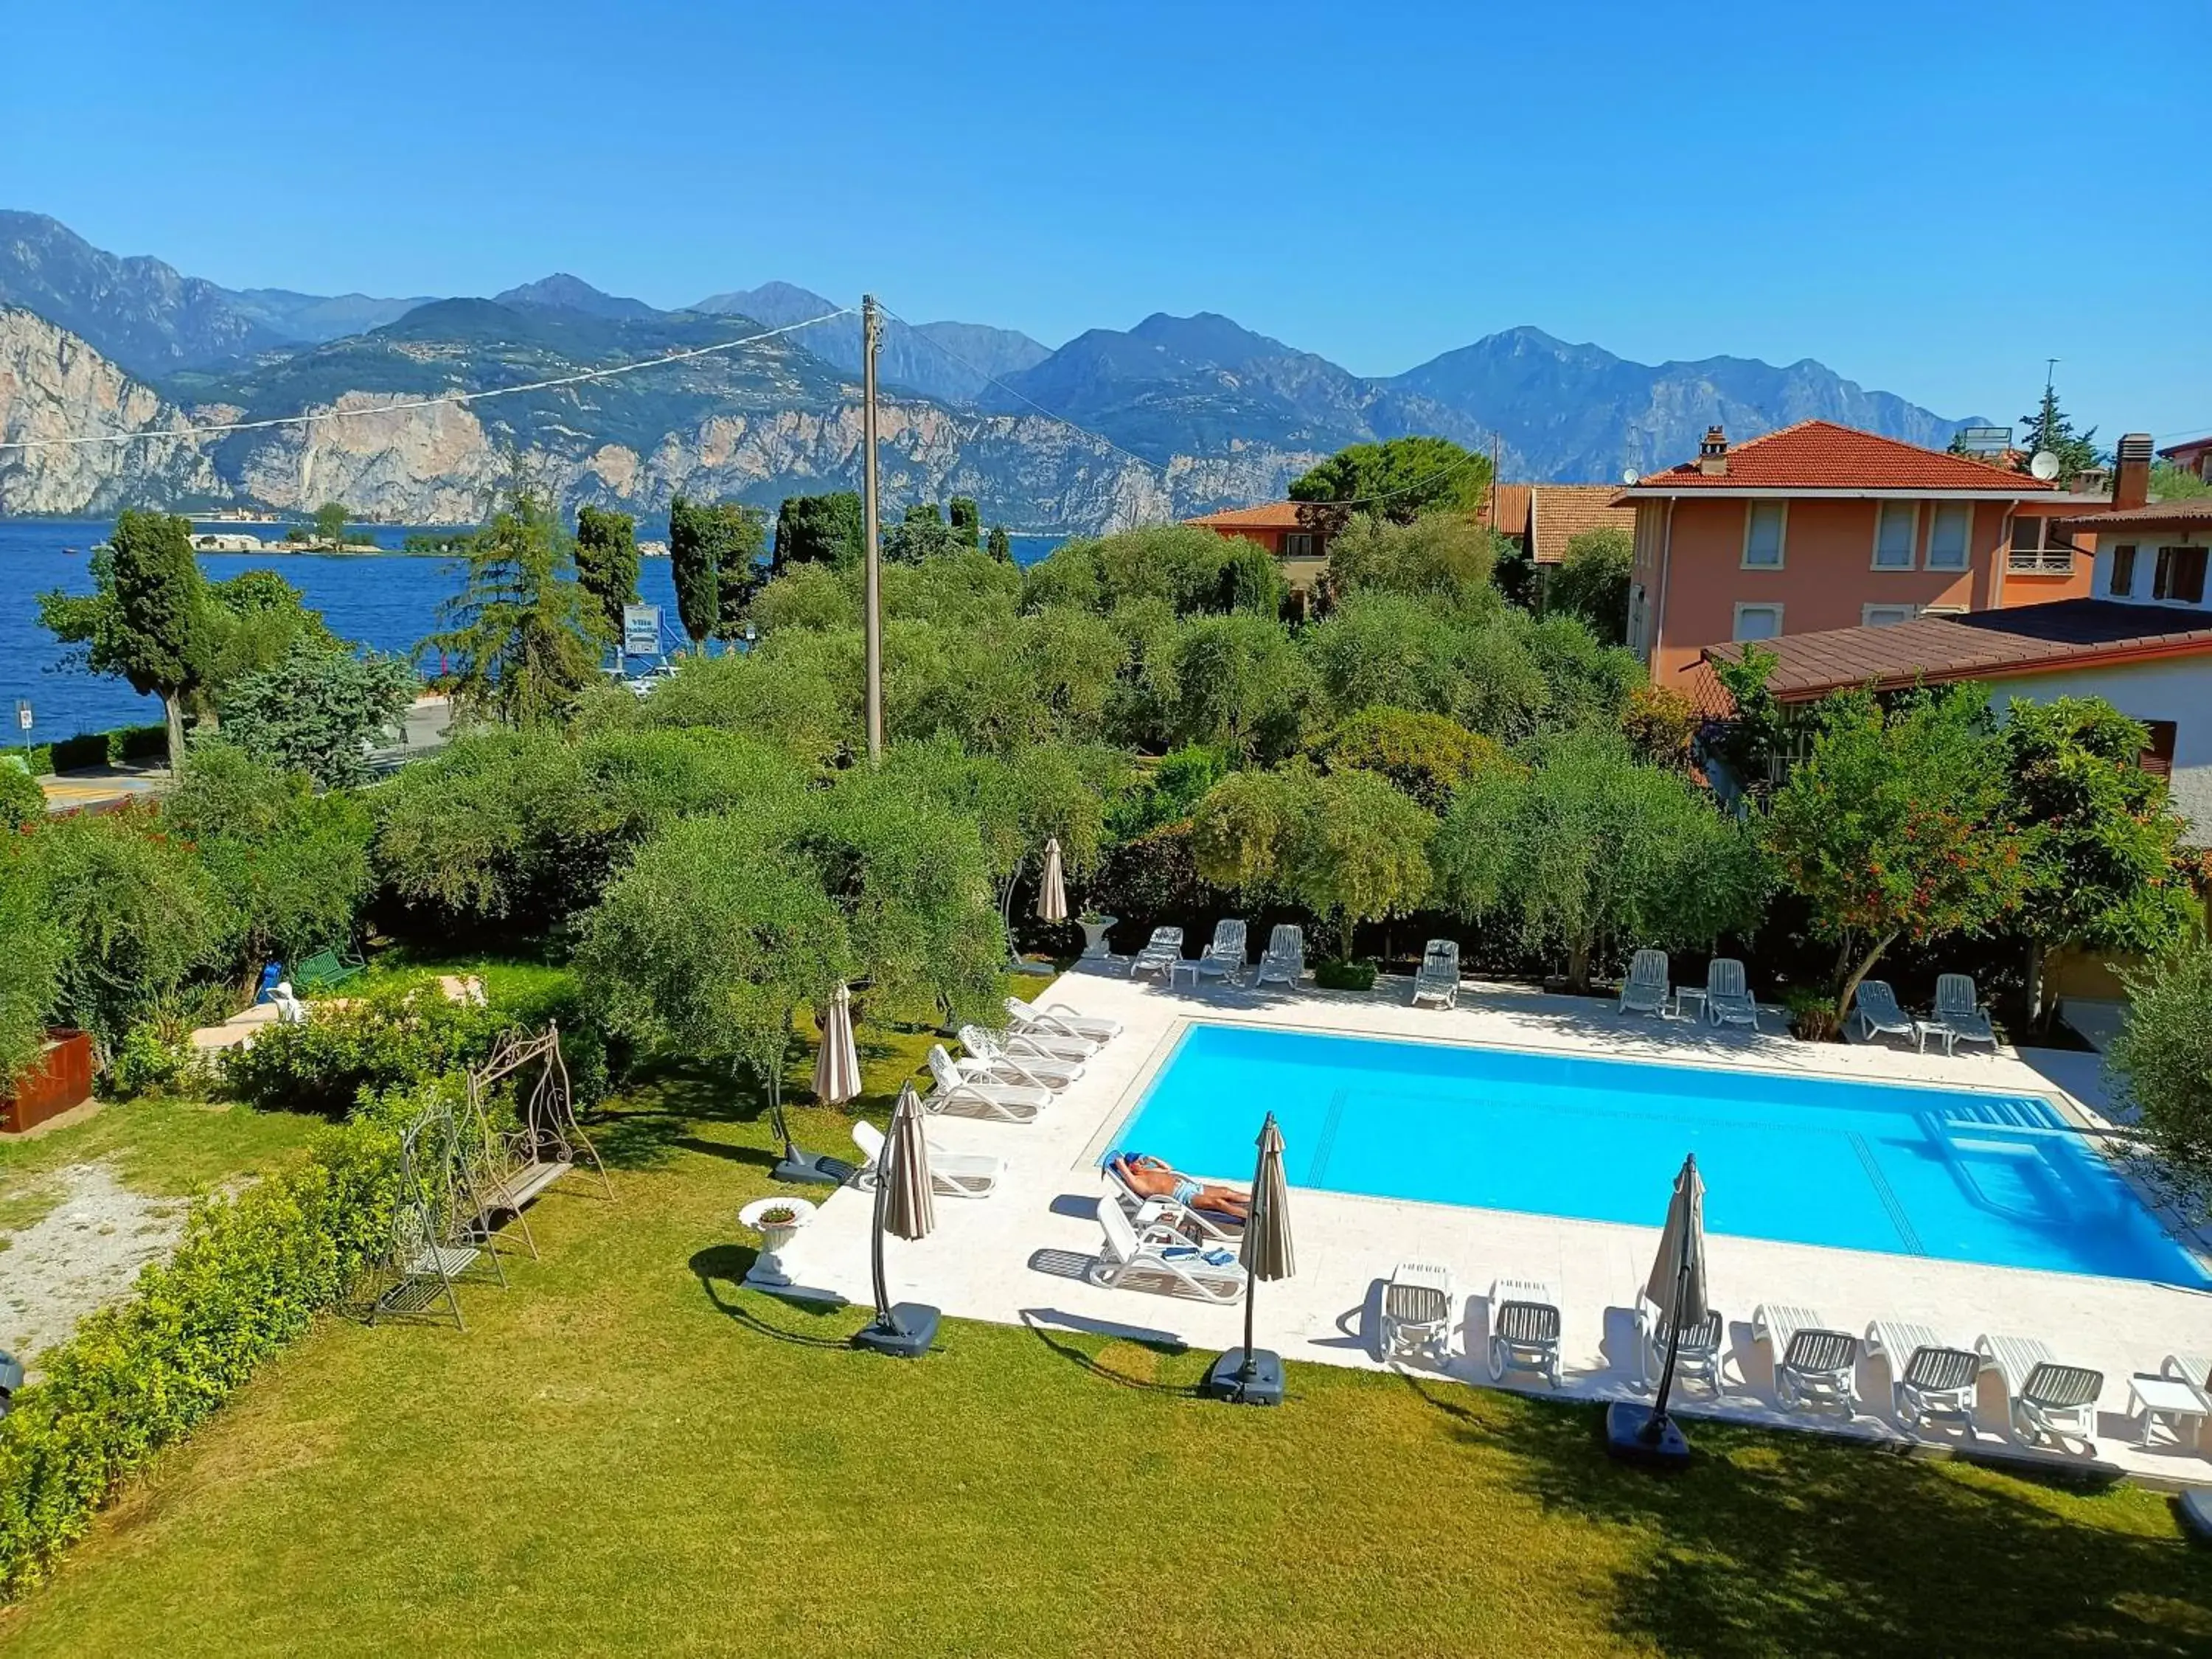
388,603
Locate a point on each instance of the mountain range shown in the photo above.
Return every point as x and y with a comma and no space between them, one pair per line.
1175,416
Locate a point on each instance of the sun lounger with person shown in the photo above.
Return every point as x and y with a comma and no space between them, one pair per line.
1151,1177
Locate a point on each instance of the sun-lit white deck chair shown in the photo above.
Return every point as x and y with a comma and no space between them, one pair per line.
1959,1012
1524,1329
1161,952
1286,960
1193,1223
1697,1357
1020,1040
2194,1369
988,1054
1417,1313
1646,989
1225,955
1875,1010
2050,1402
1015,1102
1728,995
1928,1378
1814,1364
1059,1020
1163,1258
1436,982
955,1175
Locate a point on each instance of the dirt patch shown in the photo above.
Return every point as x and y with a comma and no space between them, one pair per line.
84,1251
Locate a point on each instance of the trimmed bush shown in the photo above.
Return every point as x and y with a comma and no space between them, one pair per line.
1345,976
252,1272
39,759
77,754
394,1037
134,743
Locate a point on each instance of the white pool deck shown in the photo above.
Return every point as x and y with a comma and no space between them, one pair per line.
1020,1256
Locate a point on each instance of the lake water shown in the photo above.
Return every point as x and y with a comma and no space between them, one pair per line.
389,603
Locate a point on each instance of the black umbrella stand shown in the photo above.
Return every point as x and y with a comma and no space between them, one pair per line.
818,1167
1646,1435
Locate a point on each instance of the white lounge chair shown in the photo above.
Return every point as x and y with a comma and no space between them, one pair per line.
1727,996
1928,1378
1959,1014
1014,1102
1524,1329
2050,1402
1696,1357
1286,960
1193,1223
955,1175
1162,1256
1436,983
1161,952
989,1056
1646,989
1874,1006
1417,1313
1061,1020
1224,956
1814,1364
2194,1369
1047,1044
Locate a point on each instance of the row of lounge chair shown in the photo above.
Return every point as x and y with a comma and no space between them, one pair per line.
1959,1015
1728,1001
1436,982
1816,1365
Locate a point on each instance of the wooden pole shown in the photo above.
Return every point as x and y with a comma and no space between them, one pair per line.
869,326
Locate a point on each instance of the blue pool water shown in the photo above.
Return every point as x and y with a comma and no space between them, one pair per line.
1960,1174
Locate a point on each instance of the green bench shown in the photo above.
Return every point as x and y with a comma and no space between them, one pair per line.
324,969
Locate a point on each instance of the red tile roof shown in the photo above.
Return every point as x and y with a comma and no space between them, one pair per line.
2195,513
1821,455
1560,513
1275,515
1986,645
2188,447
1507,510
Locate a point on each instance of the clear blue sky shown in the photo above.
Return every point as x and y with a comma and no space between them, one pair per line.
1930,198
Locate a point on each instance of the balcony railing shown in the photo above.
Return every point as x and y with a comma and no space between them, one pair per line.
2041,561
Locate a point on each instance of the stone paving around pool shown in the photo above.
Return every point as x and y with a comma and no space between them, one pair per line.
1022,1255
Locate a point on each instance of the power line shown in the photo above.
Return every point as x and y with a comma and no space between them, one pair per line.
577,378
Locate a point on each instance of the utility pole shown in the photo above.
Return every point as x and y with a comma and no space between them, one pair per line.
870,325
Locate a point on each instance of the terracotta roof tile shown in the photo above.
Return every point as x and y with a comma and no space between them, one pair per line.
1560,513
1821,455
1989,644
2195,513
1274,515
1507,510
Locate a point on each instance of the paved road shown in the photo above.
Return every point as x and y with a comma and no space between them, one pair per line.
107,786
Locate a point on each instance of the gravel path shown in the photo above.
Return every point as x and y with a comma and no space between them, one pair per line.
83,1253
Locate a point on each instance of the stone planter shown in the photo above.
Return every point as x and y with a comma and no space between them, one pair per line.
1094,934
778,1221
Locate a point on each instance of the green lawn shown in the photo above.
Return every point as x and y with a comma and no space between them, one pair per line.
626,1453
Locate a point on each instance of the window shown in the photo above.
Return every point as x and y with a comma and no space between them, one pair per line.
2122,583
1894,524
2179,575
1298,545
2038,550
1757,621
2157,758
1950,536
1886,615
1764,523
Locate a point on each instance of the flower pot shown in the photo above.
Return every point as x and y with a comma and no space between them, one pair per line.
778,1221
1094,933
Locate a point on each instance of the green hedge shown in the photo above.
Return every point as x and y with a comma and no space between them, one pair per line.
91,748
40,757
251,1273
76,754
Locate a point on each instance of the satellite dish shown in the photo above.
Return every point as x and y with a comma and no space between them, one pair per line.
2043,466
1632,476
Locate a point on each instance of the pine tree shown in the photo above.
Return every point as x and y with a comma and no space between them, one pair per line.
693,565
607,562
147,619
2050,429
1001,546
966,521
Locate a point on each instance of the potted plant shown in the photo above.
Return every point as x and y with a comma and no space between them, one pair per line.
1094,924
778,1221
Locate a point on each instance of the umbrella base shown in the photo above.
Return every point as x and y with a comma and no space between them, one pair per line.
912,1329
1628,1436
817,1167
1264,1387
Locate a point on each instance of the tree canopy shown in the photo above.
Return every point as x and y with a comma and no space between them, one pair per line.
319,712
147,619
2158,1062
518,637
607,563
1592,581
1400,478
830,530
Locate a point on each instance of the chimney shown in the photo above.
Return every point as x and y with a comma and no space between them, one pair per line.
2131,481
1712,454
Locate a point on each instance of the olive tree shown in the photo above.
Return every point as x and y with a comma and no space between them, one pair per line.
1588,850
2163,1062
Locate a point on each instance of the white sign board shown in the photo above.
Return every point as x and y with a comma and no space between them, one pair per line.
23,713
641,631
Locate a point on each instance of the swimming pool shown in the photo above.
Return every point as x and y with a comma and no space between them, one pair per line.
1960,1174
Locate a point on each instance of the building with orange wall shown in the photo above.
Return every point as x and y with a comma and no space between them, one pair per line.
1301,551
1820,526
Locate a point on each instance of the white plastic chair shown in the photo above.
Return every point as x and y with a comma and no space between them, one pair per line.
1646,989
1417,1313
1286,960
992,1058
954,1174
1524,1330
1161,952
1959,1012
1728,995
1224,956
1059,1020
1013,1102
1436,984
1162,1257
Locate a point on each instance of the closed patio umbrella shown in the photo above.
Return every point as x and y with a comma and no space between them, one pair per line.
1677,1289
903,1207
1248,1375
836,1080
1052,886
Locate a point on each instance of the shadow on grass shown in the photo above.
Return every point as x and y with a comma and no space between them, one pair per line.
721,1265
1055,1330
661,1115
1792,1543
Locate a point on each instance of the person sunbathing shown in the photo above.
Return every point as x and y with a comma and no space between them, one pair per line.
1150,1178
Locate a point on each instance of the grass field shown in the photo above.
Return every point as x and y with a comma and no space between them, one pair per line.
627,1453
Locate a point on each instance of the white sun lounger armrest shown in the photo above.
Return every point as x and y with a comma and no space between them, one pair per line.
1776,1323
1896,1339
